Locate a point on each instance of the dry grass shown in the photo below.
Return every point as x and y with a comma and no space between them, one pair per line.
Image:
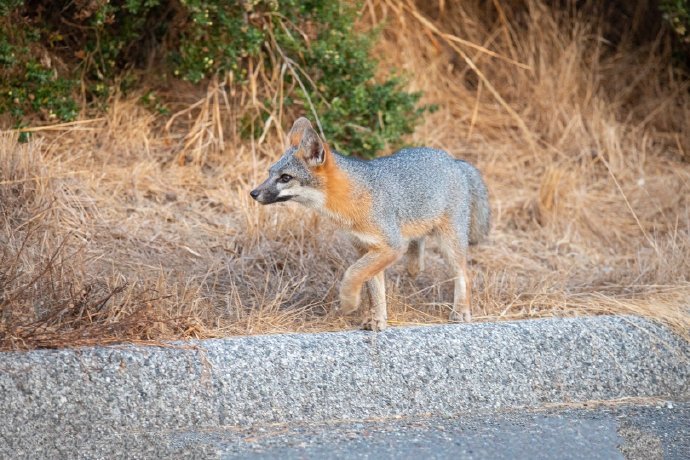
125,229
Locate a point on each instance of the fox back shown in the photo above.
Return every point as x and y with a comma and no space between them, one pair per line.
415,187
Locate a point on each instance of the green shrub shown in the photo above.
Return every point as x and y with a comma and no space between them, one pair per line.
99,44
677,14
28,86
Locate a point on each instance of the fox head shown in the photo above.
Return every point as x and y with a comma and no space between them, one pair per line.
293,176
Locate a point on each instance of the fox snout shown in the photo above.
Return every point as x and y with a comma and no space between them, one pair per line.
255,194
268,193
263,195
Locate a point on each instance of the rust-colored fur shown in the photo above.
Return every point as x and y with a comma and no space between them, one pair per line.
418,228
351,204
295,138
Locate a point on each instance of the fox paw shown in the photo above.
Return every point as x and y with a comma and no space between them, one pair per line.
373,324
413,268
460,317
349,303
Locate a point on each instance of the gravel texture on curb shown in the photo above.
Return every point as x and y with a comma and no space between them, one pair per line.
81,394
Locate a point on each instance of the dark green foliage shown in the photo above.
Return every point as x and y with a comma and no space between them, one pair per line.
357,115
677,13
219,35
98,45
7,6
29,86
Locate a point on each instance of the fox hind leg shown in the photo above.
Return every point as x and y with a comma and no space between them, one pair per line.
461,297
455,255
415,257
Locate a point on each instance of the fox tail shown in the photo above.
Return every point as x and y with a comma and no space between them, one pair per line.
480,211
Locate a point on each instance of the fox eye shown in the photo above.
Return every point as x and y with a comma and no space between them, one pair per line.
285,178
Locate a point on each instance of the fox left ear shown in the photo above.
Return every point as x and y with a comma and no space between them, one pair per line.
311,147
297,131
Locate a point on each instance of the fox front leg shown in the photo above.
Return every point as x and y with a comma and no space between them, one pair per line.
376,316
370,264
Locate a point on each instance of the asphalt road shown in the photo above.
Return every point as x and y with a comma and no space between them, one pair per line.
624,431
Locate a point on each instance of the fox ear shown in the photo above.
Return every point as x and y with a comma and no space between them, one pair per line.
311,148
296,133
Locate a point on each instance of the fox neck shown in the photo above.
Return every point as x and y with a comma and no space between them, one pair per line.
344,200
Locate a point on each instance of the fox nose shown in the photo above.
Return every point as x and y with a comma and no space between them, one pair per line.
254,193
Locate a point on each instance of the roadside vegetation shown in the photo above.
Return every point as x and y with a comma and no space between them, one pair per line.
128,150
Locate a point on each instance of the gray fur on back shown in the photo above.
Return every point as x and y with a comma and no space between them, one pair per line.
422,183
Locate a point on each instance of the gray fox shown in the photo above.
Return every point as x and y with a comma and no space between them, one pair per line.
389,205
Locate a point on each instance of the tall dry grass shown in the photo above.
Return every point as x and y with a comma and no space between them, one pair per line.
135,228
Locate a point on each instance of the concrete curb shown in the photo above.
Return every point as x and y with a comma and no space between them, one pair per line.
440,370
